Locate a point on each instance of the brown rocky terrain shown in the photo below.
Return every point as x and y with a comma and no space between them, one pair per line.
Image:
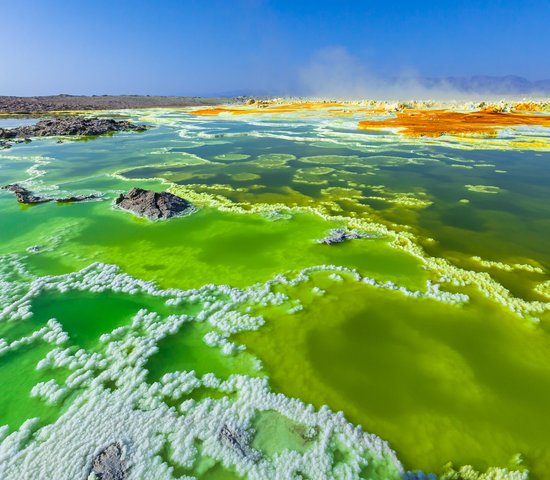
54,103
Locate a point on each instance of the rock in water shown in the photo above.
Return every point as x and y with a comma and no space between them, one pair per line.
28,198
25,196
109,464
340,235
77,198
239,440
70,126
153,205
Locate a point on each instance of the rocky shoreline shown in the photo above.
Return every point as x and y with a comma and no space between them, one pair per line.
66,126
63,126
56,103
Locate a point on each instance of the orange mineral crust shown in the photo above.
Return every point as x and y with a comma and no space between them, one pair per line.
434,123
531,107
266,108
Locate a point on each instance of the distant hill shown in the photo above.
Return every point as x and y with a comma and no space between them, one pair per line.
98,102
414,86
510,84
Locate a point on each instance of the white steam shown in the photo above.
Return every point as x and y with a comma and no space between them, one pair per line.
335,73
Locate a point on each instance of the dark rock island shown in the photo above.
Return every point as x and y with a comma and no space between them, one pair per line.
110,464
239,440
28,198
64,126
153,205
340,235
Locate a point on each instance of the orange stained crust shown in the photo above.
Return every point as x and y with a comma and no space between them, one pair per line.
267,108
530,107
434,123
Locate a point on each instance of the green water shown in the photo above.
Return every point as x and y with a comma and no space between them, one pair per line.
211,246
86,316
272,425
468,384
185,351
17,370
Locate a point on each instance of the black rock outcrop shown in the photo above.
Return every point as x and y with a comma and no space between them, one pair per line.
25,196
153,205
28,198
340,235
109,464
63,126
238,440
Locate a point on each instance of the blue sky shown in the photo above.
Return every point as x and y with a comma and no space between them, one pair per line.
213,47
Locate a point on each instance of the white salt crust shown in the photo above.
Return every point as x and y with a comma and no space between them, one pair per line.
116,404
200,194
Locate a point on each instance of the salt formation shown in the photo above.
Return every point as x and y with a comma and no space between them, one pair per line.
91,434
151,428
136,413
507,267
543,289
339,235
448,273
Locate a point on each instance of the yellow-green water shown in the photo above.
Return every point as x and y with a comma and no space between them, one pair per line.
467,384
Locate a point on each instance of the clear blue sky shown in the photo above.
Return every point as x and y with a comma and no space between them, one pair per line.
206,47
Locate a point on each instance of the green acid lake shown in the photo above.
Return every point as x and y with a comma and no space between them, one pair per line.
466,382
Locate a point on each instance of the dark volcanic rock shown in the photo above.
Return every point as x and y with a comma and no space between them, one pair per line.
4,145
339,235
27,197
238,440
153,205
99,102
15,188
77,198
109,464
70,126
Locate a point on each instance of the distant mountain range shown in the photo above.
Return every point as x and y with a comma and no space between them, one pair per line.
510,84
477,84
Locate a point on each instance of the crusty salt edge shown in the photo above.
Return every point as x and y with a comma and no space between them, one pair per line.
98,416
135,413
405,241
90,371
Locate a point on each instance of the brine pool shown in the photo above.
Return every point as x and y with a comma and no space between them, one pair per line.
432,333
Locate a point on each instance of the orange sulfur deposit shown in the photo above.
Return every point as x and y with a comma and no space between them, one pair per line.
531,107
267,108
434,123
